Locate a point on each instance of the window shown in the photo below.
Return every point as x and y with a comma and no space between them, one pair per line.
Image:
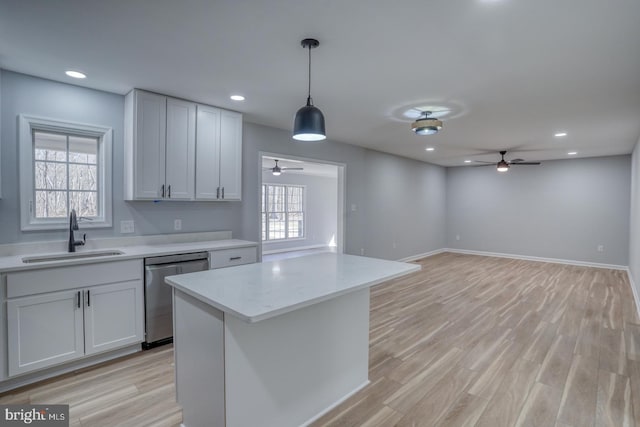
64,166
282,212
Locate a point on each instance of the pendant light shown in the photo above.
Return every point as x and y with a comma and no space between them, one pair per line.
309,122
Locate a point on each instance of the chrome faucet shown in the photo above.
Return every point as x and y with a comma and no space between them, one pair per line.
73,225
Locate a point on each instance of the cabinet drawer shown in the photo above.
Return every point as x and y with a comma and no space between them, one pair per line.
69,277
231,257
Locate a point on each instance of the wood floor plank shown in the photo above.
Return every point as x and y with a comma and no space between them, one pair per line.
557,363
541,407
578,406
504,408
465,412
614,406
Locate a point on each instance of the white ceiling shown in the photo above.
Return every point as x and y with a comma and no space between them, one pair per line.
513,72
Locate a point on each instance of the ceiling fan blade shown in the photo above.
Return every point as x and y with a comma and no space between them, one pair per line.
526,163
482,161
480,166
517,161
292,169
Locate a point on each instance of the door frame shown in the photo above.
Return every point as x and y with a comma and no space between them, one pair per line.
342,170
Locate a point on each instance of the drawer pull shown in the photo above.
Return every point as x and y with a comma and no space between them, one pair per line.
88,298
78,299
235,258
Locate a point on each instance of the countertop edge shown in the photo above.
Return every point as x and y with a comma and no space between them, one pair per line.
283,310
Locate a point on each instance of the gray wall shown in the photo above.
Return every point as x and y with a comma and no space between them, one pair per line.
321,209
634,223
363,189
562,209
31,95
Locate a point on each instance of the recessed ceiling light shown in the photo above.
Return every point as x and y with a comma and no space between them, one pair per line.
467,161
429,148
560,134
75,74
572,153
237,97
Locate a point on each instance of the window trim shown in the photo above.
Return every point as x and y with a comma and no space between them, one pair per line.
304,212
27,125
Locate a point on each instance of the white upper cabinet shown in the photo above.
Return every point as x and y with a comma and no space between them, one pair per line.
177,151
181,149
218,154
208,153
231,155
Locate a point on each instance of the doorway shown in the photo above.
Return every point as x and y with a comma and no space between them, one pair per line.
301,206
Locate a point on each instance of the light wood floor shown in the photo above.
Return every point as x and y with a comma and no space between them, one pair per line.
468,341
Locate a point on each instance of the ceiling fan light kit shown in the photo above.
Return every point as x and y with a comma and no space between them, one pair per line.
426,125
503,165
277,170
308,124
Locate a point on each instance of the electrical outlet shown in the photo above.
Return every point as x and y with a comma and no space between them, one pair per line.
127,227
177,224
457,237
395,245
600,248
354,207
361,251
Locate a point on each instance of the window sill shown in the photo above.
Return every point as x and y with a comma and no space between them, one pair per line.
65,226
298,239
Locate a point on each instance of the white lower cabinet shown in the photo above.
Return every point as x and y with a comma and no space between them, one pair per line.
44,330
112,316
51,328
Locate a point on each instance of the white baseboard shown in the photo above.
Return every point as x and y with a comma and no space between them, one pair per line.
539,259
424,255
634,291
297,248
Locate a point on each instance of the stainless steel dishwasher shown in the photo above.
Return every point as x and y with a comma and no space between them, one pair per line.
157,294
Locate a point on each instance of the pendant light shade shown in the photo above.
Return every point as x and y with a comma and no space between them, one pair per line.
308,124
426,125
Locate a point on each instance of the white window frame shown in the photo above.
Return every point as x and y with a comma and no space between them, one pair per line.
27,125
304,211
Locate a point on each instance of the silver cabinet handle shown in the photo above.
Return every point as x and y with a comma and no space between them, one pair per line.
235,258
88,298
218,193
223,192
78,299
163,191
169,191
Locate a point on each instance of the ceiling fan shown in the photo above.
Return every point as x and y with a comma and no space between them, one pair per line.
277,170
503,165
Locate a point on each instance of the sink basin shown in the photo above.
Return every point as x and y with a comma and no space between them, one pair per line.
69,255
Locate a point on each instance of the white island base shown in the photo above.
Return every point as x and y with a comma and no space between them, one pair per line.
284,371
274,344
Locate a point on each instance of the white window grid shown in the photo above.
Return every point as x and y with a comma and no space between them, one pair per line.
283,217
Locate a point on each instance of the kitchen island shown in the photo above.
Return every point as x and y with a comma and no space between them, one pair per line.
274,344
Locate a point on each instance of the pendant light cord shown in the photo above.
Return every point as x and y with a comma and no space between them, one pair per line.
309,100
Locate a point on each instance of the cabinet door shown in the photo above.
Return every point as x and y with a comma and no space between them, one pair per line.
181,149
113,316
150,138
231,155
208,153
44,330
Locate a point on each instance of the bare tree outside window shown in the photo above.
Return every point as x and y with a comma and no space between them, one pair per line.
65,175
282,212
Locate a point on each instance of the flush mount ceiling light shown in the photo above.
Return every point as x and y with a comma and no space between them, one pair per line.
75,74
309,122
426,125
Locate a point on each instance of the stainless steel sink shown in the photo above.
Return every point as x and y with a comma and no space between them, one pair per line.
69,256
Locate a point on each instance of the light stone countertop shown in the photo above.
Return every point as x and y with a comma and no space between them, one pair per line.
256,292
15,263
